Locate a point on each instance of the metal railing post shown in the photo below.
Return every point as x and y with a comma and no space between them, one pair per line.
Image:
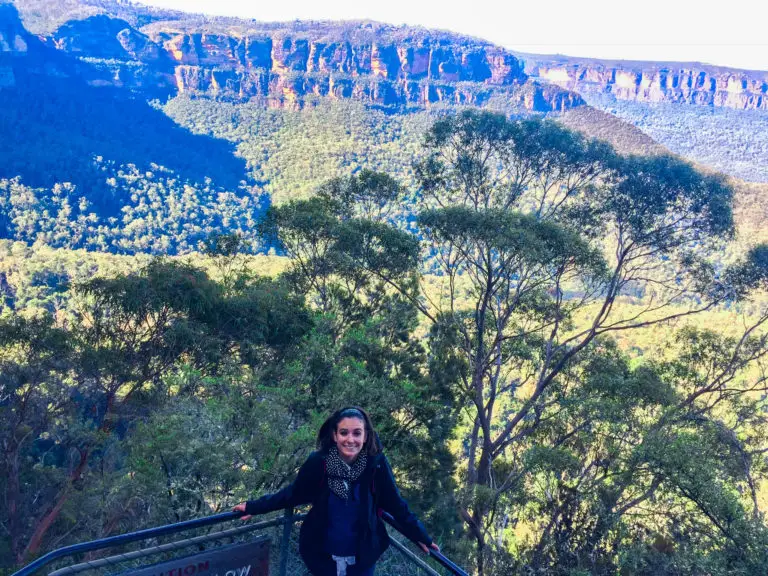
285,544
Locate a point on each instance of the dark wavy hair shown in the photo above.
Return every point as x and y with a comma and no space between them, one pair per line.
325,435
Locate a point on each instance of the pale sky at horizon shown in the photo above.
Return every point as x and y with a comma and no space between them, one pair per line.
728,34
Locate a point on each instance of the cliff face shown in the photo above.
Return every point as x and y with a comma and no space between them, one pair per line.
286,67
105,58
700,85
288,56
284,70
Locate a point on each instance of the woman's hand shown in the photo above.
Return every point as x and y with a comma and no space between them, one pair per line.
426,549
241,508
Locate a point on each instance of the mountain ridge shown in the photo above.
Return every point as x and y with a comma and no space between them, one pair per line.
101,95
694,83
646,81
531,58
285,64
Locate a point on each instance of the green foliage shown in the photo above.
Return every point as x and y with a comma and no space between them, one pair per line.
341,258
129,201
72,393
169,395
292,153
105,196
547,230
623,136
724,139
526,436
652,187
161,214
509,235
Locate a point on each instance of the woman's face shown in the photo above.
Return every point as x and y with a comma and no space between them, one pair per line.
349,437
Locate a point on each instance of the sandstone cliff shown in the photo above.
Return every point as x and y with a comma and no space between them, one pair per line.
687,83
289,65
285,68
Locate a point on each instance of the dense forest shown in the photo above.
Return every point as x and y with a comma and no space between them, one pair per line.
159,180
192,167
533,336
724,139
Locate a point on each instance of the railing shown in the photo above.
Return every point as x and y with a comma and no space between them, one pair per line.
287,521
437,555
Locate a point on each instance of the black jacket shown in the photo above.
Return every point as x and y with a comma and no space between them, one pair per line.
378,492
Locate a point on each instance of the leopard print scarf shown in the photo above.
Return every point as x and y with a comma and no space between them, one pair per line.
341,474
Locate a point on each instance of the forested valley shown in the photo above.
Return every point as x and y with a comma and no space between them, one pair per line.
562,346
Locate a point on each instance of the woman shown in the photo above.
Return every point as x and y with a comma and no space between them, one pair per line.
348,481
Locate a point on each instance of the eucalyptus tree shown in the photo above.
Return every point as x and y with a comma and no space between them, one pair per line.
544,244
35,398
651,467
363,349
70,392
538,233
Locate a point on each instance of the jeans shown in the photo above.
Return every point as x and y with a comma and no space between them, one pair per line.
329,569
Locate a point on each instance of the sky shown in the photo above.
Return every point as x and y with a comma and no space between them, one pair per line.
727,33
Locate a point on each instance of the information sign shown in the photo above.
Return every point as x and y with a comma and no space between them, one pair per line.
247,559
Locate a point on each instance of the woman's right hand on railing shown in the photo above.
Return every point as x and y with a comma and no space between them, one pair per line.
426,548
241,508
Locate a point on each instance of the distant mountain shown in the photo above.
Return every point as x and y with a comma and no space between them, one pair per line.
129,129
59,111
287,64
652,82
714,115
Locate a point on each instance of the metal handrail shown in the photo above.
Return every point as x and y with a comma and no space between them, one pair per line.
169,547
125,539
436,554
189,525
411,556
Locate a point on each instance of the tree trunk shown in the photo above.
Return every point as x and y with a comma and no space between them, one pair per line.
471,466
14,498
47,521
484,466
480,557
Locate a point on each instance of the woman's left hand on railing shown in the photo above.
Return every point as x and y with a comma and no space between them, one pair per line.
241,508
426,548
